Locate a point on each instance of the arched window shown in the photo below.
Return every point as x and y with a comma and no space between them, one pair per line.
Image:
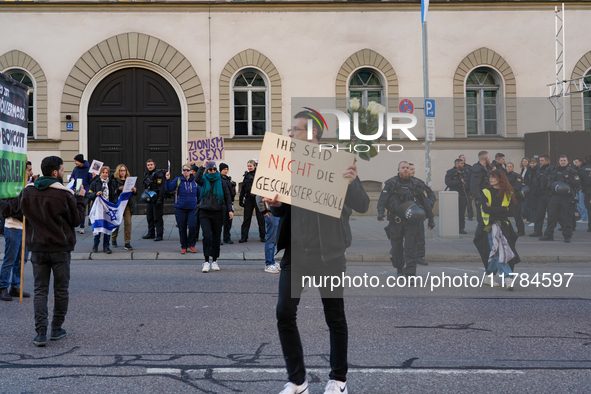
483,102
24,78
250,103
366,85
587,103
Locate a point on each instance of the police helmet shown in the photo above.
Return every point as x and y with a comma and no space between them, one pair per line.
525,190
145,198
411,212
560,188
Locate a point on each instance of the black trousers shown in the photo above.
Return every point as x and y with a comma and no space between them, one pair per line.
154,215
519,218
462,204
334,315
470,207
558,212
250,205
227,226
43,265
211,224
541,208
421,241
404,239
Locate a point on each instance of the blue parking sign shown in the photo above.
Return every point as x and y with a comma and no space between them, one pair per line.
429,108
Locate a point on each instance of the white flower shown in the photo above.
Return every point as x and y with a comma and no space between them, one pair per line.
376,108
354,103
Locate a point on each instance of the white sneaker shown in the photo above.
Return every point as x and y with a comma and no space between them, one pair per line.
81,231
292,388
205,267
582,221
215,266
487,282
531,225
278,266
271,269
336,387
510,284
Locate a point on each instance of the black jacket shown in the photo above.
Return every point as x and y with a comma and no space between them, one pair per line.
541,179
246,186
567,175
453,180
397,191
585,177
335,233
528,179
96,186
231,186
501,167
209,203
115,185
516,183
427,191
478,180
154,181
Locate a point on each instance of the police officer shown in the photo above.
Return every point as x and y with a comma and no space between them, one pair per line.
479,181
455,181
517,183
404,227
585,176
467,169
154,197
499,163
427,192
542,191
560,207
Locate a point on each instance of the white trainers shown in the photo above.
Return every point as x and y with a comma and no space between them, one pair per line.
271,269
278,266
531,225
487,282
510,284
336,387
205,267
215,266
582,221
81,231
292,388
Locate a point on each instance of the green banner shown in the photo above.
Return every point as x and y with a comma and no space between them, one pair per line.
13,136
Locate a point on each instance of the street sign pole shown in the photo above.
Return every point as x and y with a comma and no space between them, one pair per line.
426,94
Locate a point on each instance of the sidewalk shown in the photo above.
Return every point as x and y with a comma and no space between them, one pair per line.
369,245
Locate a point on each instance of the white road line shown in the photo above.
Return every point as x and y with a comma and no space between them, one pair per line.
458,269
351,370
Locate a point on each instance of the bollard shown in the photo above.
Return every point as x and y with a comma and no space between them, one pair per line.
449,223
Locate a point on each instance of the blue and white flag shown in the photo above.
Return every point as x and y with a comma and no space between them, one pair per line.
106,216
424,9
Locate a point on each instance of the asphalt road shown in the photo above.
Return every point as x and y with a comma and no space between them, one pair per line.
164,327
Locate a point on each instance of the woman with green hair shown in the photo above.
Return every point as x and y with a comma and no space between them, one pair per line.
215,197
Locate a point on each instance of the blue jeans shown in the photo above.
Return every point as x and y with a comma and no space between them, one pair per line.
13,239
494,265
581,206
106,239
186,218
272,223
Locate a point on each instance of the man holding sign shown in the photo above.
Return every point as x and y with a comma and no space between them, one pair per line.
314,245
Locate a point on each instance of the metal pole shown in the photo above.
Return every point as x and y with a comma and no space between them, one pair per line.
426,94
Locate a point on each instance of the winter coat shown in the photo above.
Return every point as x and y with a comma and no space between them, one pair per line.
115,185
82,173
187,192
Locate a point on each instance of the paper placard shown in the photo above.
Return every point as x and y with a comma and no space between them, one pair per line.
206,148
129,183
95,167
302,174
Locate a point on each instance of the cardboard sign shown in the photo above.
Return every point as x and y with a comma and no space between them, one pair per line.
207,148
302,174
95,167
13,136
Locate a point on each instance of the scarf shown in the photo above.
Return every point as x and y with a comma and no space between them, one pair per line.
216,179
501,245
44,182
105,188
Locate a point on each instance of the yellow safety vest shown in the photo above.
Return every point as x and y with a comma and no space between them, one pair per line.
505,203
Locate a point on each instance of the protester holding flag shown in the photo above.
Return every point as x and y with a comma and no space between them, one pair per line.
117,183
101,186
185,205
215,197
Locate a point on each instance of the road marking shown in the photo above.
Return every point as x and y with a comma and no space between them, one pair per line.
353,370
458,269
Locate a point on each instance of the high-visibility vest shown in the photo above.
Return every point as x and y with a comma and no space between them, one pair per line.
505,203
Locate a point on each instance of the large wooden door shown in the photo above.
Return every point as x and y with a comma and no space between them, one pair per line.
135,115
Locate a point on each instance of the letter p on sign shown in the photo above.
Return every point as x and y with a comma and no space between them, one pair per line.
429,108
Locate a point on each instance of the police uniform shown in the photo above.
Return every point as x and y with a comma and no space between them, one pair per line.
560,206
154,182
453,180
403,233
431,198
585,177
517,183
542,191
469,206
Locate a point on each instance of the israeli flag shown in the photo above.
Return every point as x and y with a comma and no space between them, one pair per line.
106,216
424,9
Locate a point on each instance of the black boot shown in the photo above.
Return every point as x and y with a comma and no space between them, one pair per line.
4,296
547,238
15,292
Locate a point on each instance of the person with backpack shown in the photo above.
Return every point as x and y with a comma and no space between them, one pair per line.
185,205
228,182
